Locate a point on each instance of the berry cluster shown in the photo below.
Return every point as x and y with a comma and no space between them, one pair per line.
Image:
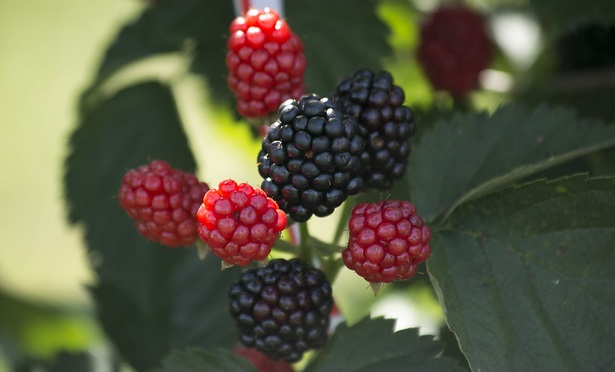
387,241
385,124
310,158
454,49
163,201
282,309
266,62
239,222
318,152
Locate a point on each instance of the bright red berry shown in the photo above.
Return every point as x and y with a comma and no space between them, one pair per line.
454,49
266,62
163,201
262,362
239,222
387,241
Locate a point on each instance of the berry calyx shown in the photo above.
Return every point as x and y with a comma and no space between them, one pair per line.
454,48
239,222
387,241
266,62
163,202
385,124
310,158
262,362
282,309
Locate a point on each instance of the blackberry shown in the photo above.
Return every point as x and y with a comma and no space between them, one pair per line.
282,309
385,124
310,158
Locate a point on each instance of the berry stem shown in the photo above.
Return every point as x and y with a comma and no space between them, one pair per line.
341,224
304,238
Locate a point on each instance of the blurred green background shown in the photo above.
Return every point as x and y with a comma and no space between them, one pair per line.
48,51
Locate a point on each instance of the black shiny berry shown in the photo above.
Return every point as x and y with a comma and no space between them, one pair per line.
282,309
385,125
310,158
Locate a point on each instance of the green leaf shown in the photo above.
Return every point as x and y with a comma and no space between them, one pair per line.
211,360
167,27
150,298
191,310
137,125
525,276
372,345
197,28
339,37
470,155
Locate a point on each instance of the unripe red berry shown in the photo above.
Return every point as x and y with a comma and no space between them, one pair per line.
387,241
266,62
163,201
239,222
454,48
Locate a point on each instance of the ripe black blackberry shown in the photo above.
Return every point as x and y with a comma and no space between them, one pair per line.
282,309
310,158
385,124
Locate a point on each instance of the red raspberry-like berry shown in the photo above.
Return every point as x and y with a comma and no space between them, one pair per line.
262,362
163,201
266,62
387,241
239,222
454,49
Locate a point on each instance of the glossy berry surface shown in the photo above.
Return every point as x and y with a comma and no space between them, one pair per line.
387,241
163,202
310,158
262,362
239,222
265,61
454,48
385,124
282,309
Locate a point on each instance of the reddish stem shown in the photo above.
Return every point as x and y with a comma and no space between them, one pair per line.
245,6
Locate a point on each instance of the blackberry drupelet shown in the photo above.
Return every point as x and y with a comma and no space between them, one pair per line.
385,124
310,158
282,309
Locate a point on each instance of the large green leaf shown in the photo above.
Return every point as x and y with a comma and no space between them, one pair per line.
371,345
339,37
470,155
197,28
190,311
210,360
150,298
525,276
132,128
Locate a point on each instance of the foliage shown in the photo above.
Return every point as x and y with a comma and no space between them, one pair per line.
522,260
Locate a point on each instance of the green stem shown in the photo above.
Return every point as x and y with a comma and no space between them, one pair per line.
304,250
341,225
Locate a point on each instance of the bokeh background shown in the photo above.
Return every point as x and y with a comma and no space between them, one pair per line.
48,52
